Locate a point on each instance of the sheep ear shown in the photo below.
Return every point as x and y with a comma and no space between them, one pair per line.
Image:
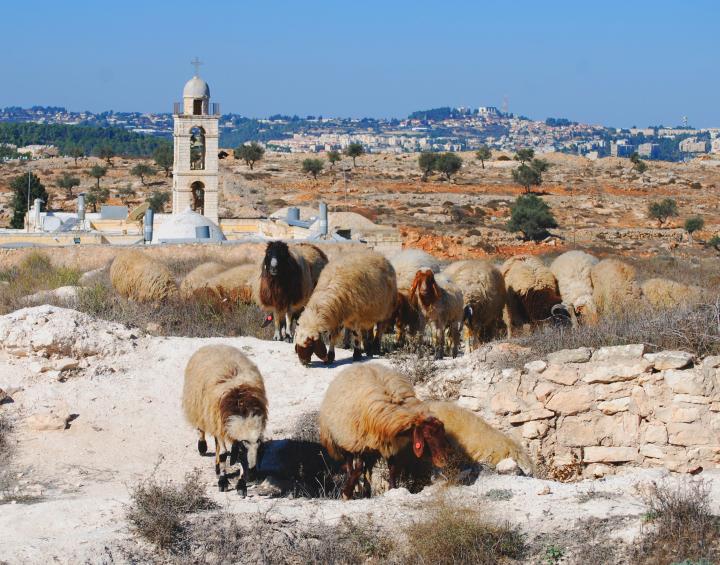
418,441
468,312
436,289
235,452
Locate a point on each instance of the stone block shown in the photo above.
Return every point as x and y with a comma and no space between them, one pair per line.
530,415
691,399
571,401
579,431
655,433
579,355
619,370
534,429
652,451
561,374
536,366
610,407
689,434
633,351
689,381
600,454
504,403
664,360
543,391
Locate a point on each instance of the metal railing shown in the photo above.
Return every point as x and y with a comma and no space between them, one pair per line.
213,109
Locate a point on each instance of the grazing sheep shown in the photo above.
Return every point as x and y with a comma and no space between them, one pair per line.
485,296
235,285
615,288
531,287
224,396
477,440
370,411
137,277
198,278
357,292
407,317
287,279
572,271
664,293
441,304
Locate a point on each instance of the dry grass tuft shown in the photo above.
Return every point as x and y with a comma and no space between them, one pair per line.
6,478
35,273
415,360
680,526
456,534
157,509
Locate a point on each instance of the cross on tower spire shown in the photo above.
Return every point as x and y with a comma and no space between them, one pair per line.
196,63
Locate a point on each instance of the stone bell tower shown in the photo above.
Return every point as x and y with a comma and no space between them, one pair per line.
195,137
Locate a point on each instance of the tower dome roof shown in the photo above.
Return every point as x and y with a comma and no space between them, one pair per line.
196,88
183,227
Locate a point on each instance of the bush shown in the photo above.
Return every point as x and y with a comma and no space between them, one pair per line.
680,525
415,360
457,534
714,241
448,164
312,166
249,153
157,509
531,216
663,210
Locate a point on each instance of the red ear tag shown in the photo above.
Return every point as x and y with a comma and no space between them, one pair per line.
418,445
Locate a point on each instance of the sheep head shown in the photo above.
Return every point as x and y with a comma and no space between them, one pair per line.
311,345
277,255
431,432
425,287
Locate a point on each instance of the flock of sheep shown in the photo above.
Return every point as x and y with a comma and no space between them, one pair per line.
370,411
361,295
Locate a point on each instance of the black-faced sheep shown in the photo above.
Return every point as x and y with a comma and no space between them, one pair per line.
441,304
199,277
287,279
572,271
615,288
532,289
357,292
224,396
475,439
137,277
485,297
370,411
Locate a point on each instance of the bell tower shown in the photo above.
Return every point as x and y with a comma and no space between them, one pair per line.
195,137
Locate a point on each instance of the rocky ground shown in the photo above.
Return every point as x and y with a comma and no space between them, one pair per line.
601,204
96,408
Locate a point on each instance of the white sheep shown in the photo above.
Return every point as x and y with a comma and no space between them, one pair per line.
358,292
224,396
572,271
616,290
531,287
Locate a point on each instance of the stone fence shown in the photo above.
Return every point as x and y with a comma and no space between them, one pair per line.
592,411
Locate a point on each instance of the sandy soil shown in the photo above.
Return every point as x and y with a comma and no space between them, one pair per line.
128,422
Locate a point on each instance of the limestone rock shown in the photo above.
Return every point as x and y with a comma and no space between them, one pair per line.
89,277
561,374
505,403
529,415
536,366
507,466
634,351
543,391
684,382
655,433
614,406
571,401
579,355
689,434
63,293
534,429
669,359
624,369
46,421
600,454
598,470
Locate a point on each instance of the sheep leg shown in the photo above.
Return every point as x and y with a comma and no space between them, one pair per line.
357,347
392,472
455,338
354,468
289,327
202,444
368,342
369,461
439,342
223,482
277,319
377,343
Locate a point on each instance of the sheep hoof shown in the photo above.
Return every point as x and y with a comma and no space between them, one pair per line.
223,484
357,355
217,468
438,355
330,358
223,457
202,446
242,488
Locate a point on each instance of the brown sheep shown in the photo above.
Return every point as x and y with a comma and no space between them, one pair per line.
288,276
485,297
531,287
137,277
370,411
233,286
615,288
224,396
441,304
357,292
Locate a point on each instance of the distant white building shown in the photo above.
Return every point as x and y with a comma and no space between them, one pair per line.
692,145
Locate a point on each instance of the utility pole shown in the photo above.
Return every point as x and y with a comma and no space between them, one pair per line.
28,201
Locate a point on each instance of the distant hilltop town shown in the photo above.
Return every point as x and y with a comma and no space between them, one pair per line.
439,129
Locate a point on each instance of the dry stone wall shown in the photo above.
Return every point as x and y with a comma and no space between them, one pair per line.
593,411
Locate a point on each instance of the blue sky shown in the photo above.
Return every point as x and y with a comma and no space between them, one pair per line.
616,63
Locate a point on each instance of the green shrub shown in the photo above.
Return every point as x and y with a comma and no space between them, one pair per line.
531,216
